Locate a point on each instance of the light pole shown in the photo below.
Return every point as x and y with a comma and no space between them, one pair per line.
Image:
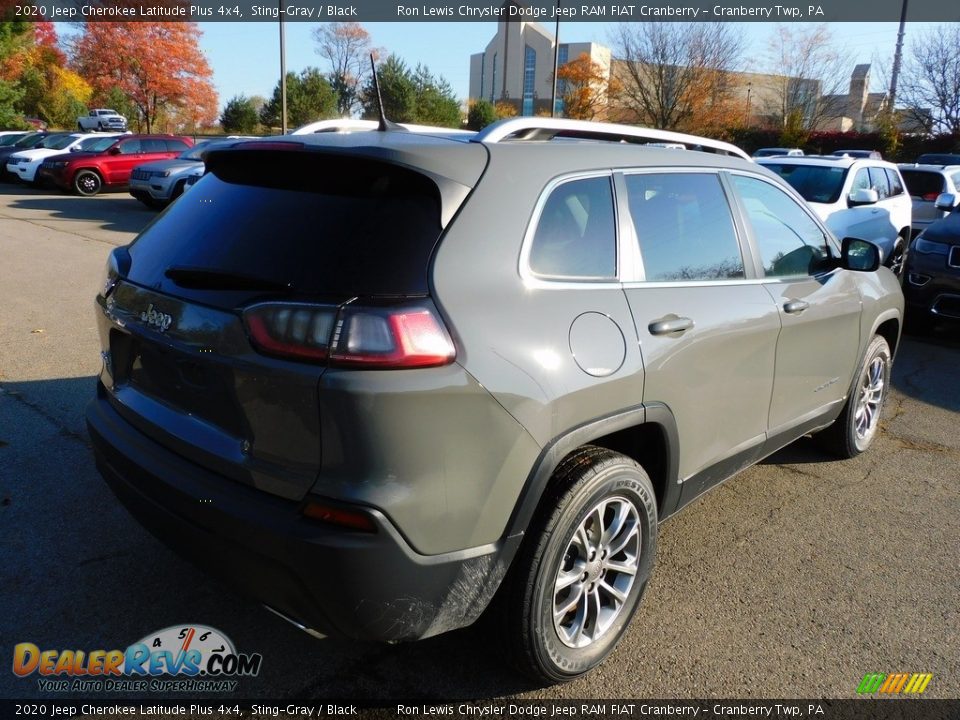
556,63
283,73
895,73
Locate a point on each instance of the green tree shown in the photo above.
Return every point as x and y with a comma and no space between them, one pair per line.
309,98
239,115
411,96
9,97
481,114
396,89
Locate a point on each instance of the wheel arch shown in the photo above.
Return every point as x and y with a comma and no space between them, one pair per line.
888,325
646,433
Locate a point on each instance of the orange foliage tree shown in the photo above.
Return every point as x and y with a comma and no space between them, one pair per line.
159,66
586,88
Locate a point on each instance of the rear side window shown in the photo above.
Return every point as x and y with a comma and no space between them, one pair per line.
576,233
789,241
893,177
878,180
684,227
153,145
923,185
307,222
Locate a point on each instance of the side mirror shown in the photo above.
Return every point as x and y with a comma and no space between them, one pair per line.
945,201
863,196
75,148
859,255
113,151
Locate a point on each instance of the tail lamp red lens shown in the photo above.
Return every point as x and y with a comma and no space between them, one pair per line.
352,519
407,335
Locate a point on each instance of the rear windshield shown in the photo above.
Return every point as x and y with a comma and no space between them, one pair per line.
923,185
319,224
816,183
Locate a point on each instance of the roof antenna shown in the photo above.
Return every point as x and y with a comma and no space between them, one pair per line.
385,124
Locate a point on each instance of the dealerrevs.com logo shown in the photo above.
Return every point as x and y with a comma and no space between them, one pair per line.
180,658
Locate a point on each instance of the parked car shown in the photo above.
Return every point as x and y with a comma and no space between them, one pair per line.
36,123
24,164
939,159
27,141
159,183
777,152
102,119
855,197
932,287
871,154
926,183
110,164
381,380
8,137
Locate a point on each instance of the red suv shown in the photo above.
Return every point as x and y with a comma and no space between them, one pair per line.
109,162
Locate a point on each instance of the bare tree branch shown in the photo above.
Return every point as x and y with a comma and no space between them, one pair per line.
930,80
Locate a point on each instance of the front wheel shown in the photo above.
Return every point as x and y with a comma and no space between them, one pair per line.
897,261
87,183
583,568
854,431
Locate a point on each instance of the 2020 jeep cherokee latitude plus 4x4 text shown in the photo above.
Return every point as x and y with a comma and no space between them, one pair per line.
410,374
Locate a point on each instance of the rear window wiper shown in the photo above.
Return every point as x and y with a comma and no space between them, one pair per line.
208,279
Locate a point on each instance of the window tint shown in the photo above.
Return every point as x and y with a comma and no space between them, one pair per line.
789,241
923,185
153,145
684,227
320,224
576,234
878,180
893,177
174,145
129,147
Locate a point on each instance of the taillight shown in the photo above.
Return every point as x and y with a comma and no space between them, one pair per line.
291,330
352,519
407,335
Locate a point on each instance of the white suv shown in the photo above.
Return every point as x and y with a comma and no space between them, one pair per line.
855,197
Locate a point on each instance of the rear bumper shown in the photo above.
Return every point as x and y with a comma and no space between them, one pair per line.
368,586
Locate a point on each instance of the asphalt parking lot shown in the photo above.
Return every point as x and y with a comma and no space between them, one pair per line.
792,580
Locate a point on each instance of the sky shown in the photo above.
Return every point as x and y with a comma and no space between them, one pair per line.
245,57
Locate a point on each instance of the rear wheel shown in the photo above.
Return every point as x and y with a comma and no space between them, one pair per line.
854,431
583,568
87,182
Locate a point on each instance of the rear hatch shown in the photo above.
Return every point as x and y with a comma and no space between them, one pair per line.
267,225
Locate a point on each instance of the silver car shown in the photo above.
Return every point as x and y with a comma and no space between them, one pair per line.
159,183
926,183
383,380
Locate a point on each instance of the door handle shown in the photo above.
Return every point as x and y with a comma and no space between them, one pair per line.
670,324
795,306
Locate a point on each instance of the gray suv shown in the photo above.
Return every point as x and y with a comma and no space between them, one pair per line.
383,380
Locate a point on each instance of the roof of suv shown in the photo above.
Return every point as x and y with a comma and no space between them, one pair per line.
841,161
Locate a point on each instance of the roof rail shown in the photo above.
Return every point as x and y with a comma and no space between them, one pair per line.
539,128
344,125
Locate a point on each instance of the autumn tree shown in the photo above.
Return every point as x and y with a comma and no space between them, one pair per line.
158,65
930,81
347,47
586,88
812,77
239,115
309,98
672,75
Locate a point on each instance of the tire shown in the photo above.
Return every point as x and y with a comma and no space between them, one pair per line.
897,262
593,489
856,428
99,127
177,191
80,127
87,183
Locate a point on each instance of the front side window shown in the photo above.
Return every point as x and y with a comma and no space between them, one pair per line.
684,227
789,241
576,233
